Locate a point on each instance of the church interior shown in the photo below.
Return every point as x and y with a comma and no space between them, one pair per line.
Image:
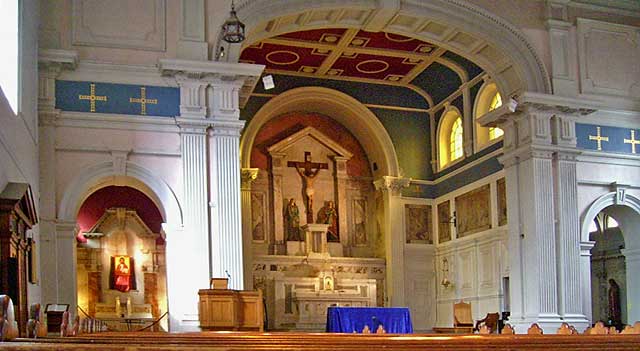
167,167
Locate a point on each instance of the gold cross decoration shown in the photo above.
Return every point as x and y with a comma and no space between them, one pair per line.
598,138
632,141
143,101
92,98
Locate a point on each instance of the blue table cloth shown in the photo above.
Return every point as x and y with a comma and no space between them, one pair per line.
395,320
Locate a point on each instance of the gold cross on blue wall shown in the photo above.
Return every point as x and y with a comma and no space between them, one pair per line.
143,101
632,141
598,138
92,98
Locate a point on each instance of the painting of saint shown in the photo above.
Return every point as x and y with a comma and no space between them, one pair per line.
122,274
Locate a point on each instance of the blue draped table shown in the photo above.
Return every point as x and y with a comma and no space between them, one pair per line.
394,320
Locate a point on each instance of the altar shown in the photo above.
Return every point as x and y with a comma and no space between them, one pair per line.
394,320
302,303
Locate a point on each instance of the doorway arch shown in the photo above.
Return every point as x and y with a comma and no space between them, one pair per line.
625,208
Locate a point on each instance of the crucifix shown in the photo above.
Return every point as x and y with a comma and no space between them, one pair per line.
598,138
308,171
92,97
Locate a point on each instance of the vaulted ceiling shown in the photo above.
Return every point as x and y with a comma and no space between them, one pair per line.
358,55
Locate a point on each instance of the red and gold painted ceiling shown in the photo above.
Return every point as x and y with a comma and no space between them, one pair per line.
345,53
352,54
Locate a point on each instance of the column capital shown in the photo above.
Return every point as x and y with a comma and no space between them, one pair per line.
393,185
191,126
54,61
66,229
226,128
50,64
244,74
248,175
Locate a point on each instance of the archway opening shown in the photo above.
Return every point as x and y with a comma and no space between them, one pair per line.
608,270
121,271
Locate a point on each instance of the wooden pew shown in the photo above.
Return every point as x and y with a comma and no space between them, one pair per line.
218,341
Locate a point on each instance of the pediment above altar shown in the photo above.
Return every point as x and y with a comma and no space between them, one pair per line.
115,219
285,144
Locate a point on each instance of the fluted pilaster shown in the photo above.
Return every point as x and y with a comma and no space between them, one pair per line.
194,172
391,188
568,238
226,224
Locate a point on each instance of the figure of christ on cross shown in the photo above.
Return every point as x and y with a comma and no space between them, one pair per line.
308,171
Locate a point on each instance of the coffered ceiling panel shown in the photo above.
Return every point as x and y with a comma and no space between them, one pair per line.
358,55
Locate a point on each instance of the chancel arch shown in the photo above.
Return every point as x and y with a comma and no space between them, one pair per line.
500,48
344,109
321,145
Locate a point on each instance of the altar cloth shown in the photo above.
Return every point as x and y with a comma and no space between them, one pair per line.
394,320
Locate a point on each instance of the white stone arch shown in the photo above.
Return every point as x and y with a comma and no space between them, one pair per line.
449,116
506,54
607,200
142,179
625,208
344,109
103,174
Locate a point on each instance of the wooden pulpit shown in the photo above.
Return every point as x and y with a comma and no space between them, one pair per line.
224,309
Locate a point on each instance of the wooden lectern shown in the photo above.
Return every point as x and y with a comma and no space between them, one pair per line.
224,309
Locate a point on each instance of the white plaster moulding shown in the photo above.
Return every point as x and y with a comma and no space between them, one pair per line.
90,71
67,58
117,122
476,298
609,158
604,184
487,237
142,152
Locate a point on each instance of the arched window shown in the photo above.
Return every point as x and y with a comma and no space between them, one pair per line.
450,137
496,101
455,140
488,99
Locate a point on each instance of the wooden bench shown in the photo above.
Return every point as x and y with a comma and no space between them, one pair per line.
322,341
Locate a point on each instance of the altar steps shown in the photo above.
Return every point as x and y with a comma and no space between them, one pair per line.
231,341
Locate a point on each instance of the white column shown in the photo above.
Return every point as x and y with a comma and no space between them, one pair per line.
226,225
248,176
50,64
585,277
632,260
547,261
568,239
66,278
567,220
224,153
528,168
391,188
195,236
